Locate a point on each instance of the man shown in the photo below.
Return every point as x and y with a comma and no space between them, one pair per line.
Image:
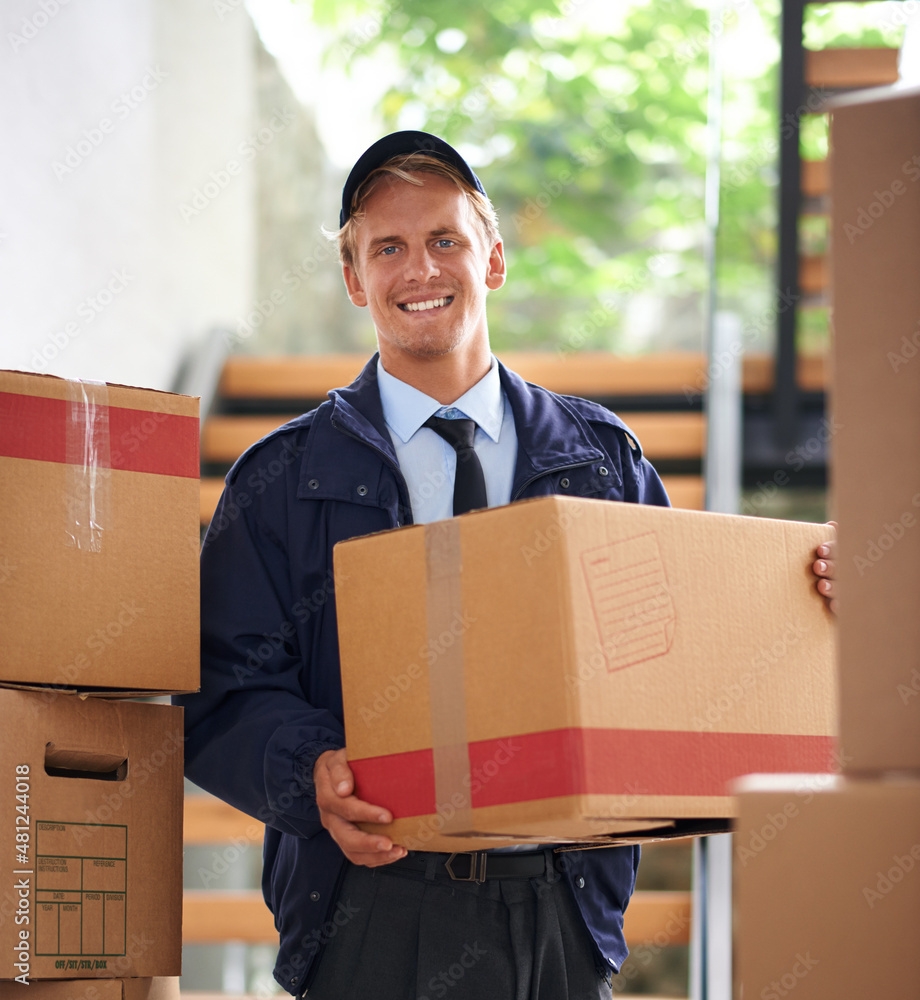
357,914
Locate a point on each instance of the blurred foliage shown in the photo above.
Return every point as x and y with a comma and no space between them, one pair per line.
590,138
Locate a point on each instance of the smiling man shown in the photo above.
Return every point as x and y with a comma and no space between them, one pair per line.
433,426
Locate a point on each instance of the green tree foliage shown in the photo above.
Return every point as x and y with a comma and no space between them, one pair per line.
592,147
591,140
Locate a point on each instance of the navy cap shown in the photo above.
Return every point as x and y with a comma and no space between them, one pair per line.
399,144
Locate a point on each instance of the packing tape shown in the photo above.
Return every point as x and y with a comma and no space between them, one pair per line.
447,694
89,501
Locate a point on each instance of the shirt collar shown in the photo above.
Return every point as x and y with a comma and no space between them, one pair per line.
406,408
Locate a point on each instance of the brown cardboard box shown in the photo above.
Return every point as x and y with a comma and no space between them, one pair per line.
92,801
827,887
161,988
875,185
562,668
99,537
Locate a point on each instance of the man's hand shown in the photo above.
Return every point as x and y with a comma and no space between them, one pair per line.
824,568
340,809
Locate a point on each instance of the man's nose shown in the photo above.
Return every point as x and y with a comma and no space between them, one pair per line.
421,265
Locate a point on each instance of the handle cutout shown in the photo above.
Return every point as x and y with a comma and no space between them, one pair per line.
61,762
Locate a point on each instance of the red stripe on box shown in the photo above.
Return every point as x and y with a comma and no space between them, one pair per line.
36,428
593,762
400,782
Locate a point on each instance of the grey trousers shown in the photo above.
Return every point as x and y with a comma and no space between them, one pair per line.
414,936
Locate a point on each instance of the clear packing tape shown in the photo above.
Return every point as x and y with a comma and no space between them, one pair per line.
89,500
448,698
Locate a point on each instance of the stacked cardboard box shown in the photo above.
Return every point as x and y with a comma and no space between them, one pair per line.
564,669
828,876
100,599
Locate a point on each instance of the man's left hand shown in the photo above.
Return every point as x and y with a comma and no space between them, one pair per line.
824,568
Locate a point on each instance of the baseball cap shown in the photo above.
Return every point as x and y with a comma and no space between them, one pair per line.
399,144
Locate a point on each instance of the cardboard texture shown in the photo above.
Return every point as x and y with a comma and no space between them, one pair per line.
93,805
163,988
100,536
827,888
875,259
561,669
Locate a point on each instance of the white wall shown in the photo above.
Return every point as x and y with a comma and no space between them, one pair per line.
113,114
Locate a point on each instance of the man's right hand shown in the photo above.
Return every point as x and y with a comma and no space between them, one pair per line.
340,809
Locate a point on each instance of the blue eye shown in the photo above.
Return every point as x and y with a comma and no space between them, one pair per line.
389,251
445,243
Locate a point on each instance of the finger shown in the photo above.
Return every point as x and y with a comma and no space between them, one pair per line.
828,548
826,588
369,849
354,810
825,567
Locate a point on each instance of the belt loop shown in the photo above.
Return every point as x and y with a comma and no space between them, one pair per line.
431,867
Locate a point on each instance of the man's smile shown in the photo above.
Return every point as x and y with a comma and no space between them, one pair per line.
426,304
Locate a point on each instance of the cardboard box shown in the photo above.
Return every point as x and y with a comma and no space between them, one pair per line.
92,801
563,668
875,258
100,536
827,887
166,988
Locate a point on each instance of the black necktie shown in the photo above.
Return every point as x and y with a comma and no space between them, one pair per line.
469,482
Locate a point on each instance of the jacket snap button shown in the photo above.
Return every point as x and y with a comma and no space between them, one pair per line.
564,483
314,896
580,882
313,484
603,470
362,491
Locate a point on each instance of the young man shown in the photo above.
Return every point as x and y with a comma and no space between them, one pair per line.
358,915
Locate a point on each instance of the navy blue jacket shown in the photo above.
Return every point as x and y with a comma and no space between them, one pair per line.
271,698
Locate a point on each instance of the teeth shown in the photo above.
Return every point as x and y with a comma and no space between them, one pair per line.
430,304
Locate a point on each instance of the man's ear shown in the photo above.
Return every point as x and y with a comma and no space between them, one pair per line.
353,284
495,275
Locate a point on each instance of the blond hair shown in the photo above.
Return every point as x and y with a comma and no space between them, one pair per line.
404,168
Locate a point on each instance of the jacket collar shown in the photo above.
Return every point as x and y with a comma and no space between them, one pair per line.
551,435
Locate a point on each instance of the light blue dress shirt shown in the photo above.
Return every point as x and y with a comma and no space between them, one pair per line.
428,463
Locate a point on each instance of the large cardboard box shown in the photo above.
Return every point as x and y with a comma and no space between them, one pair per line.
99,537
563,668
92,801
875,260
827,887
166,988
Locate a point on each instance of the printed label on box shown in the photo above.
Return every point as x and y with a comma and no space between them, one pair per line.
80,891
630,599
